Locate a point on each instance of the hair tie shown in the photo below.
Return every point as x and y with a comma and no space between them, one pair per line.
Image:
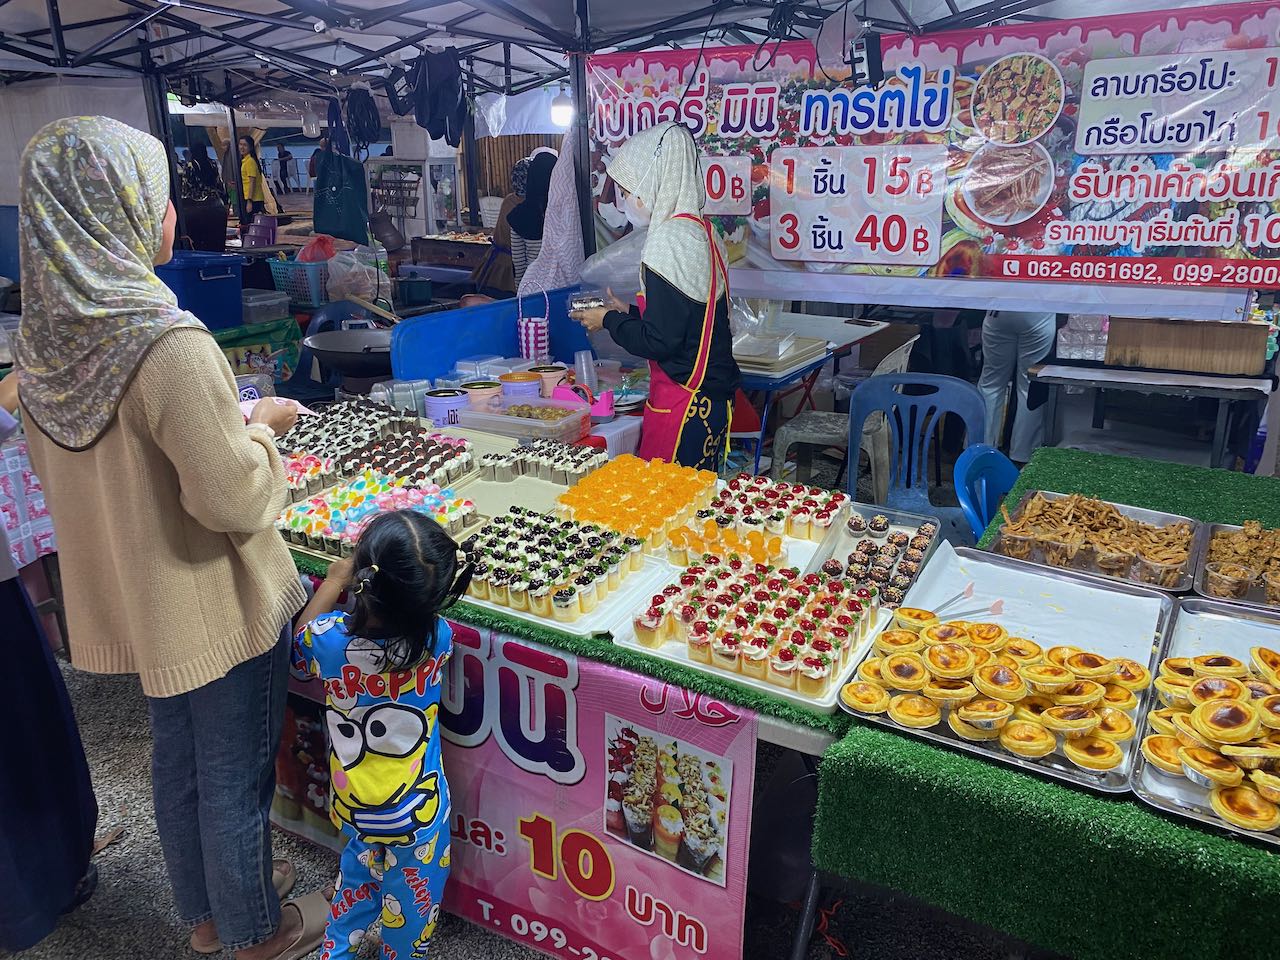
365,577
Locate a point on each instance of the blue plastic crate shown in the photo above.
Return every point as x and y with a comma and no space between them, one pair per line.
305,283
207,284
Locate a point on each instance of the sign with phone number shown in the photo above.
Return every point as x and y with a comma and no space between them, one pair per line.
597,814
1209,273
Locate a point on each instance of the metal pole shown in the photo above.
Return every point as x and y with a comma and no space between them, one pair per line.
506,60
578,69
470,149
158,115
230,99
55,25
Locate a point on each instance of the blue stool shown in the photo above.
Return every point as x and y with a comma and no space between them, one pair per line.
983,476
913,405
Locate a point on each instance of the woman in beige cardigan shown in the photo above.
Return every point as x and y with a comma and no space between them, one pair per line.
163,503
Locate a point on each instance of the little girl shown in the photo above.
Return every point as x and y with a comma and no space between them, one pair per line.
382,666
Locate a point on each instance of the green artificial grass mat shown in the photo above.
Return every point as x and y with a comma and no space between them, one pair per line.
1091,876
602,649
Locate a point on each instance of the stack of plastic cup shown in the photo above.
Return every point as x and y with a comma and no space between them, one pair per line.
584,370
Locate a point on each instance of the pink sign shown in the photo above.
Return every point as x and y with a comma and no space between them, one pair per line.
597,814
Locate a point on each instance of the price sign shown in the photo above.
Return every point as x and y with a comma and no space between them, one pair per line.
858,204
728,185
560,835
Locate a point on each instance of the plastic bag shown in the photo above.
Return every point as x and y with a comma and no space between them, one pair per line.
319,247
359,273
617,266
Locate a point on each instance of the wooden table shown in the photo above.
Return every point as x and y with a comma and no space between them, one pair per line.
1185,385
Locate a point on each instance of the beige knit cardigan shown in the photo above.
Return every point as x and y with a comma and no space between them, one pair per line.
171,568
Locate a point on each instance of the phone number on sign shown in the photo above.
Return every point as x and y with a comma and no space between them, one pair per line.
537,930
1208,273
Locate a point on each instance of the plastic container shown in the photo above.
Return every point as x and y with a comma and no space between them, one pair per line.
1228,581
490,207
305,283
477,365
520,384
484,394
263,305
552,375
499,419
442,407
208,285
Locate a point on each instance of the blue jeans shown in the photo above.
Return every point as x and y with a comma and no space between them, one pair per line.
212,777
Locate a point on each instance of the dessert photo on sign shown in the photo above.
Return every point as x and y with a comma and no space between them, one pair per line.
667,798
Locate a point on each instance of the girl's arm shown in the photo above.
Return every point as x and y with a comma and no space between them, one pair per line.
325,599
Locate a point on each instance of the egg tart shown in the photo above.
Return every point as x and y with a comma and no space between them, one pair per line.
1058,655
951,660
904,671
1204,689
1246,808
1227,721
1176,667
949,692
944,633
1259,688
1007,660
1208,768
1187,735
1267,784
1093,753
1046,677
865,697
1027,739
1030,708
1114,725
1071,721
1131,675
898,641
1267,661
1218,665
914,619
988,636
1091,666
1023,650
869,670
982,657
1080,693
1161,720
1161,752
967,731
986,714
1269,711
913,710
1001,682
1251,756
1122,698
1174,690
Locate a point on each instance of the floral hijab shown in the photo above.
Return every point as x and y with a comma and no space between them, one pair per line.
93,193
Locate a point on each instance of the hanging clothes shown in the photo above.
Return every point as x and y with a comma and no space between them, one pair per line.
529,218
559,261
439,95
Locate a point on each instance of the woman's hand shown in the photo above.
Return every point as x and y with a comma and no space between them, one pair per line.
279,415
340,571
592,318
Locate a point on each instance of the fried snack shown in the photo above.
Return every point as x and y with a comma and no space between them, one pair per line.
1007,185
1255,549
1017,99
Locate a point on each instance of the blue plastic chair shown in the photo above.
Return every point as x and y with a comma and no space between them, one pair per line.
913,405
300,386
984,476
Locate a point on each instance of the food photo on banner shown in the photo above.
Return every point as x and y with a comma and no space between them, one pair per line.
1140,148
592,806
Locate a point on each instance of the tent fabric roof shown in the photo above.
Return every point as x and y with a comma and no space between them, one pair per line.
296,43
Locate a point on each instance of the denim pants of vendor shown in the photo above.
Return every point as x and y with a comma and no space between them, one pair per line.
213,777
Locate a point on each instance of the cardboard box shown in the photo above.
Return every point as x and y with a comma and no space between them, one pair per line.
1192,346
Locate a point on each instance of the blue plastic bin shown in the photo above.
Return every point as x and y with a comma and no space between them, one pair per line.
207,284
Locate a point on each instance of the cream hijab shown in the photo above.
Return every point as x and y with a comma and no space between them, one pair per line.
92,198
660,166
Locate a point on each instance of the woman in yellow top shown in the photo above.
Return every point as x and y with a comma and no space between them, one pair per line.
255,196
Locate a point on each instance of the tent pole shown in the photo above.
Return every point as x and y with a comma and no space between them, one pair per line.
241,210
158,114
470,149
582,164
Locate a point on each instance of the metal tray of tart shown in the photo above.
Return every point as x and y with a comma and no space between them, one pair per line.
1240,565
1210,745
877,545
1041,684
1112,540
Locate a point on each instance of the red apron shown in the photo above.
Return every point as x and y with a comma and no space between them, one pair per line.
669,402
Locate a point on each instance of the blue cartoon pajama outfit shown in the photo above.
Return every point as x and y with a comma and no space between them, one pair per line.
389,794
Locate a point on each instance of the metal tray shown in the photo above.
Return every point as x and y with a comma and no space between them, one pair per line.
839,542
1203,626
1255,599
1055,765
1153,517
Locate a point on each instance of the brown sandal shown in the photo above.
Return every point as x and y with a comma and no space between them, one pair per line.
283,877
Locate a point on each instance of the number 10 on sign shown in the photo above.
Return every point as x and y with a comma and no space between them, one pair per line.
858,204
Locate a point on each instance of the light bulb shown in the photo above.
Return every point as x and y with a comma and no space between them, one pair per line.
562,111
